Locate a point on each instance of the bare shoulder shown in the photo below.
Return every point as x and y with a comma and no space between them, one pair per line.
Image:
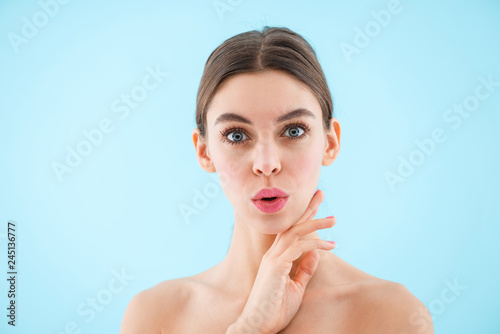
153,309
389,307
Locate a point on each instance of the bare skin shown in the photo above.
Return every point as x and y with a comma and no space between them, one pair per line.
337,298
351,302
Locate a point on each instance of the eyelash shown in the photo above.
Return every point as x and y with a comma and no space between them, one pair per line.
227,131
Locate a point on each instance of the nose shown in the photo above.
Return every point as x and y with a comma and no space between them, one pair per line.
266,159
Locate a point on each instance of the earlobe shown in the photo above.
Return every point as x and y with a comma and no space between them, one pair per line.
332,142
202,153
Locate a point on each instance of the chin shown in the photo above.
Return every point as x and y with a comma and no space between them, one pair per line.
271,224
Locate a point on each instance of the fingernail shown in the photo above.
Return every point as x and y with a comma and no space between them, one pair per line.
329,217
332,242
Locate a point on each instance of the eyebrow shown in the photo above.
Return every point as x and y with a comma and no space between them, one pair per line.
230,116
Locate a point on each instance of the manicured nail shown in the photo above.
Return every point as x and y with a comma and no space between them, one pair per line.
329,217
332,242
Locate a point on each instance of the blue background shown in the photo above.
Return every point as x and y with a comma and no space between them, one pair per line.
119,209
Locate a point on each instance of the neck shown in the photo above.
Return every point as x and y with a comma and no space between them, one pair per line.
244,256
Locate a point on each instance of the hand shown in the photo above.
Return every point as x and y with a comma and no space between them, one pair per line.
275,298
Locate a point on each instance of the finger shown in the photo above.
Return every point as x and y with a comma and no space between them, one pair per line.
311,226
309,214
294,233
306,269
313,205
302,246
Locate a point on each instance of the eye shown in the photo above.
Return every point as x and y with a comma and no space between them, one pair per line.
235,136
294,131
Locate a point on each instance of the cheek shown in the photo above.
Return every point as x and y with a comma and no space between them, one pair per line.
224,163
232,167
231,174
306,164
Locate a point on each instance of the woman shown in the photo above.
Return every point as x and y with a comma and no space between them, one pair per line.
265,125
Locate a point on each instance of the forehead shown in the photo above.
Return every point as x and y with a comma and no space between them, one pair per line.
262,96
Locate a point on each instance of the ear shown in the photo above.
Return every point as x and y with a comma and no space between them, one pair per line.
202,153
333,142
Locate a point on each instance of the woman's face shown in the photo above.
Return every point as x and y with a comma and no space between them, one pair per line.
251,148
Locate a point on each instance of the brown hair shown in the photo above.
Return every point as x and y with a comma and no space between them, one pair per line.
276,48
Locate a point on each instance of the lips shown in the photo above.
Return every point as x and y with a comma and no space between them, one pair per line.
270,200
269,194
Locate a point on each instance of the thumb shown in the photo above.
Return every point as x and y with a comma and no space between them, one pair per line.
306,268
